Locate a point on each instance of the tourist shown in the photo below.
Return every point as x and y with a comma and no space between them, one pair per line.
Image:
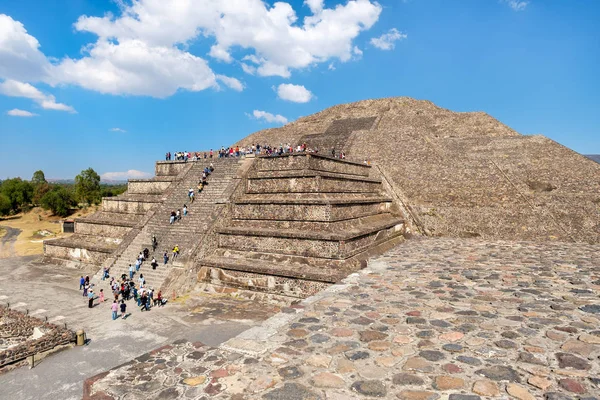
191,195
126,292
159,299
123,308
114,309
178,215
91,299
142,280
138,263
175,252
146,254
211,168
87,279
86,286
81,282
185,206
131,271
101,298
165,258
154,243
154,264
172,218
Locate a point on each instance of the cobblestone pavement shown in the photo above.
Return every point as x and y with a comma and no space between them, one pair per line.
48,291
431,319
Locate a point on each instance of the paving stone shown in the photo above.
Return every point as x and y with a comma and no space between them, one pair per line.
368,336
417,364
539,382
458,396
417,395
290,372
519,392
327,380
571,385
341,332
581,348
566,360
452,336
345,366
292,391
453,348
500,373
319,360
469,360
448,383
591,308
452,368
370,388
432,355
407,379
486,388
556,396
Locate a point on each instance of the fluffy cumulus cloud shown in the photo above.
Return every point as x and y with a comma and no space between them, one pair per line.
268,117
294,93
517,5
121,176
144,50
118,130
20,55
387,40
14,88
20,113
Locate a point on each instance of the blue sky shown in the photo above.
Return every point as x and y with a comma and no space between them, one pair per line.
116,91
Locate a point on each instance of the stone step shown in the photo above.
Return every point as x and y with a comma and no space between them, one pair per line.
316,162
332,245
310,182
309,208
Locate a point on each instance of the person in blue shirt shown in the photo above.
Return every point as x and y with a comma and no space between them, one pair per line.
81,282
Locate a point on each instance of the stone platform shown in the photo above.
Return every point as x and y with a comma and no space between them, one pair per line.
459,319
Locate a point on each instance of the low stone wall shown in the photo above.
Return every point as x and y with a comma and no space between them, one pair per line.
61,252
288,287
310,184
169,168
22,336
311,161
100,229
307,212
116,204
147,186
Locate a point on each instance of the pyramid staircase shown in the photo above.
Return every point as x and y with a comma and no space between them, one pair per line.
186,233
301,223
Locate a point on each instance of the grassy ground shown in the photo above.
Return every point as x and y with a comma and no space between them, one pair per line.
37,225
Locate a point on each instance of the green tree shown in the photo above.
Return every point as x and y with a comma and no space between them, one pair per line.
18,192
59,200
38,178
87,186
39,191
4,205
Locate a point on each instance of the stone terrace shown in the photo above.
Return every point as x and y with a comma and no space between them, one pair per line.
459,319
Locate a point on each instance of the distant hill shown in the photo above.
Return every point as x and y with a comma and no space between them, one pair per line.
102,182
595,157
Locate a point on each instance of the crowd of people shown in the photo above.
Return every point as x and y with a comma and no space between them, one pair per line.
256,149
125,287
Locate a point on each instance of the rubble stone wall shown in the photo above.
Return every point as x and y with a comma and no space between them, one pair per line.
88,256
115,204
169,168
16,331
104,230
311,184
147,187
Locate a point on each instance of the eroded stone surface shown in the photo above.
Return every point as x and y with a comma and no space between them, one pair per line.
434,318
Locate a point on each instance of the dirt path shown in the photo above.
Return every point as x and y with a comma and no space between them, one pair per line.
7,242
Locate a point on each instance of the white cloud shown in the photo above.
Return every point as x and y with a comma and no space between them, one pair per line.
131,174
331,67
249,69
137,68
20,57
14,88
267,116
231,82
517,5
118,130
386,41
20,113
295,93
145,48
